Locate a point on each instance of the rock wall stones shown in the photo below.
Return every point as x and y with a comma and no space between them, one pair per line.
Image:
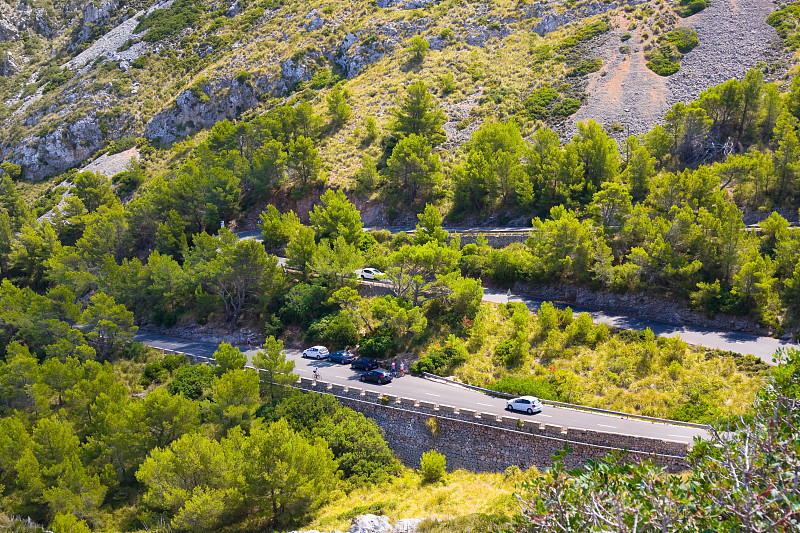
486,442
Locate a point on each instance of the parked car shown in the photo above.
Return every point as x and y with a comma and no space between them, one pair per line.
316,352
363,363
377,375
342,356
526,404
369,273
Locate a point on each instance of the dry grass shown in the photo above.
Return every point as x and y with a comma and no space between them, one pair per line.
623,375
461,493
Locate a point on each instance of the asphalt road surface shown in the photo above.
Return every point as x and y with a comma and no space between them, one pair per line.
446,394
761,347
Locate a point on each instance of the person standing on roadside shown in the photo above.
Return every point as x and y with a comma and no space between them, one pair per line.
393,372
248,345
402,369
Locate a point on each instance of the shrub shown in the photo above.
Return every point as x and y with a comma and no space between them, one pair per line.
417,49
683,39
336,329
664,61
447,83
566,107
192,381
687,8
432,466
165,23
442,359
244,78
303,303
625,49
539,386
625,37
153,372
585,67
378,347
540,102
123,143
585,33
324,78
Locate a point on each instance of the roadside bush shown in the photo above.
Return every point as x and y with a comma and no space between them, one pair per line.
337,330
442,359
154,372
192,381
432,466
378,347
303,304
539,386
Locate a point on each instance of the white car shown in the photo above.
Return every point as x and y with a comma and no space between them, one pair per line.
526,404
316,352
369,273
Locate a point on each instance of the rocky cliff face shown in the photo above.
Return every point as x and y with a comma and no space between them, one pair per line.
76,75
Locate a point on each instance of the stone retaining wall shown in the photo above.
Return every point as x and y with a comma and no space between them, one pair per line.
488,442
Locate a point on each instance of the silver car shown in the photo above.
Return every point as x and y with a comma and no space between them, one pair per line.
525,404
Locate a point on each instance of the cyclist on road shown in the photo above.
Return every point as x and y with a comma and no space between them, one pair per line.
316,374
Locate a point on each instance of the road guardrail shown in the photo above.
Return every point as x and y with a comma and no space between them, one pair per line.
491,392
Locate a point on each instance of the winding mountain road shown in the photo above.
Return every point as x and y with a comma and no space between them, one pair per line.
446,394
762,347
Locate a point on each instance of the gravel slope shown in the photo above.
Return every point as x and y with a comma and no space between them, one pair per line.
734,37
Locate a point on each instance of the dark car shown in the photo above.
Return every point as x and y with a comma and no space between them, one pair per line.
342,356
363,363
377,375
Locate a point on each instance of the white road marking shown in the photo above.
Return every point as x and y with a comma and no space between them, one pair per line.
340,377
486,404
679,436
548,416
605,426
431,394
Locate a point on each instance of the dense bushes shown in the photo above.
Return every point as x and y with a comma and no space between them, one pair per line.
440,360
166,23
665,60
687,8
785,21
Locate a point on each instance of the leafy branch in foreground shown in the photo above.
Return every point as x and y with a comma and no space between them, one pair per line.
746,479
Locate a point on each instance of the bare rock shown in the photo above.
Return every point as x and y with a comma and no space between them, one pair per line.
97,14
41,24
407,525
7,66
59,150
370,523
8,32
